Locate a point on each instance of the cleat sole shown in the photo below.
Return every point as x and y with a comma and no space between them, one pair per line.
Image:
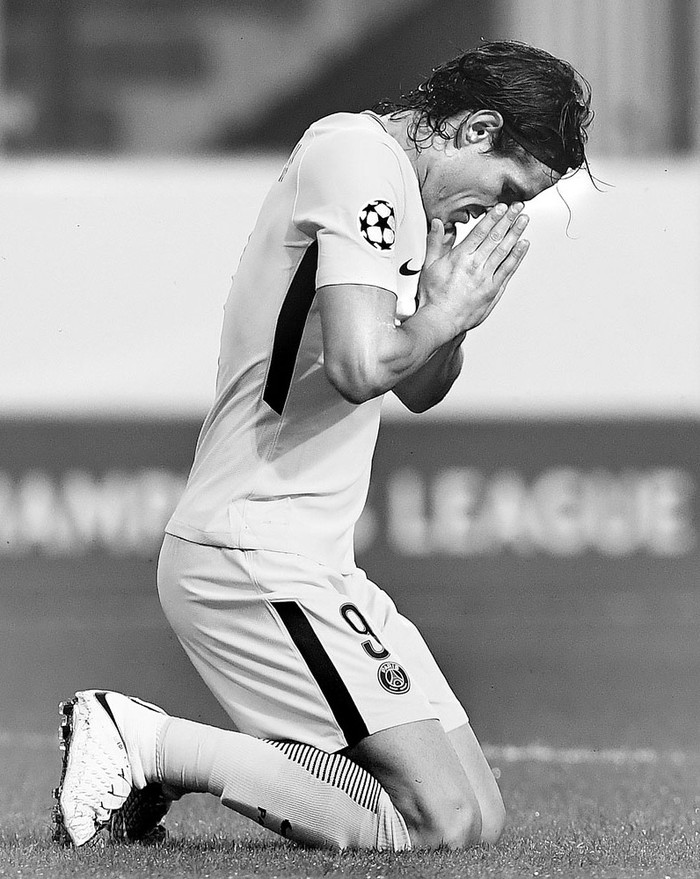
59,833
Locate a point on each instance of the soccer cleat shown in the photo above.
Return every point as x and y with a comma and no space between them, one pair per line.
96,792
139,818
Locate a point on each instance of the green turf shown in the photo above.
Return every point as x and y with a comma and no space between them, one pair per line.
601,820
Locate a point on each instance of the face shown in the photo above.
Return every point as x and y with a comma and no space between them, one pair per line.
462,182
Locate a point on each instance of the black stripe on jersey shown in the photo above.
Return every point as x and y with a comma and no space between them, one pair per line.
325,673
289,330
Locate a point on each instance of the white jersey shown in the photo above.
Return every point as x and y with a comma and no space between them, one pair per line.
283,460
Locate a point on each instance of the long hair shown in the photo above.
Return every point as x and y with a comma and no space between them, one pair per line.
545,103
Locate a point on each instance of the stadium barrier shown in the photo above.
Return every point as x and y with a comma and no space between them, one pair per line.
530,553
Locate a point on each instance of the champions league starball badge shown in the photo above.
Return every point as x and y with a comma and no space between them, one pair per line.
393,678
378,224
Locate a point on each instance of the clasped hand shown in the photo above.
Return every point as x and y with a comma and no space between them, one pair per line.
465,281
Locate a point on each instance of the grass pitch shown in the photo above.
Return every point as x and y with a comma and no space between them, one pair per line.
571,813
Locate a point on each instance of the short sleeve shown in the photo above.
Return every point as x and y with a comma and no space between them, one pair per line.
350,196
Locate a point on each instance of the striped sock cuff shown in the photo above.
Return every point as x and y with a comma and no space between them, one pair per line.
336,770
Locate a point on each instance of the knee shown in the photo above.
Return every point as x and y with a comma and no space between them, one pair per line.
453,820
493,820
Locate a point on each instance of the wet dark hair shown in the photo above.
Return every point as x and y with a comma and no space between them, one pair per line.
545,103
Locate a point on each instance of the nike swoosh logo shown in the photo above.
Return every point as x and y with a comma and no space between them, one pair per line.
102,699
404,269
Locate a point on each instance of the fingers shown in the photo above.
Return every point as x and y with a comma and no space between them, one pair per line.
506,269
493,228
503,242
468,279
504,273
440,241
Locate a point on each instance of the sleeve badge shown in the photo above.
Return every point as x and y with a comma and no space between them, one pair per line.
378,224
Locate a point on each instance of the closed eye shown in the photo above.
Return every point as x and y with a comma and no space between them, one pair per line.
510,194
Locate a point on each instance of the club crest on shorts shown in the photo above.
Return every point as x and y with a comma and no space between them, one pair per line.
393,678
378,224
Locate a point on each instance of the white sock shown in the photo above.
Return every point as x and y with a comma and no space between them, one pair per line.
138,723
307,795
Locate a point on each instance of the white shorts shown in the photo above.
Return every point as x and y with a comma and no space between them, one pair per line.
295,651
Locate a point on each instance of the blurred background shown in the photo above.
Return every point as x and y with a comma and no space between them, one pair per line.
541,525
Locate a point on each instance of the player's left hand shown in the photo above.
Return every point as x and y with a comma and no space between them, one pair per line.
462,283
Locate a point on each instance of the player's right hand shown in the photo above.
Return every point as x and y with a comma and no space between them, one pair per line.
464,282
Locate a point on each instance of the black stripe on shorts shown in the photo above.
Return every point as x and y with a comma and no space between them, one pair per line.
325,673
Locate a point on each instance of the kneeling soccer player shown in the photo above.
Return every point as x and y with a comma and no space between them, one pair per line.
348,733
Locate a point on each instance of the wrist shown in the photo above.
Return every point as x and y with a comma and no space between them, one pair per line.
442,326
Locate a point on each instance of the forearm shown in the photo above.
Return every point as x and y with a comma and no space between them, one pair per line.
386,355
429,384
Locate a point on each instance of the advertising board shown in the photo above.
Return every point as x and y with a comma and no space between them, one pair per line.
547,562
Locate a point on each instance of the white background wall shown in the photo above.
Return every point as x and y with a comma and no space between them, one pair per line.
113,277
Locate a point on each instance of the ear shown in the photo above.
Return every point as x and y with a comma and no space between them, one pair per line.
479,127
